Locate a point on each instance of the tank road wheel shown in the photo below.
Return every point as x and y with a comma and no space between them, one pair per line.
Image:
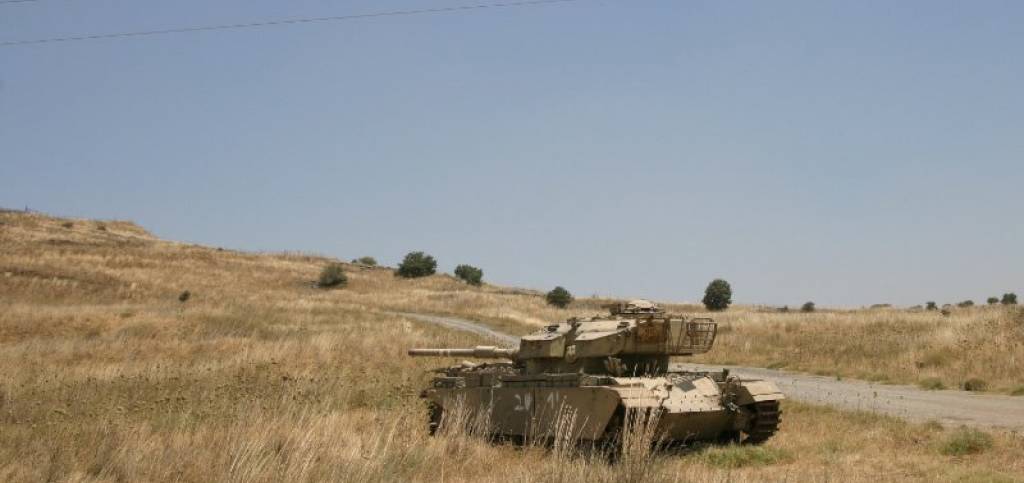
764,422
434,414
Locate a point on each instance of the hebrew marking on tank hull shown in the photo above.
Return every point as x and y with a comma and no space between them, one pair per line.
589,376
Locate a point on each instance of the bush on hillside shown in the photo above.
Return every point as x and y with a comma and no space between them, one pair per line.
184,296
974,384
718,295
332,276
931,384
807,307
965,304
417,264
931,306
992,300
559,297
1009,299
469,274
368,261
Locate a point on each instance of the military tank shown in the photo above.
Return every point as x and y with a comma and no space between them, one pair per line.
582,378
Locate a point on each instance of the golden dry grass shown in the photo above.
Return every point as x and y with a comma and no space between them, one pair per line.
106,376
884,345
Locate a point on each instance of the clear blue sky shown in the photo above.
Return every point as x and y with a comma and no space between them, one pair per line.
843,152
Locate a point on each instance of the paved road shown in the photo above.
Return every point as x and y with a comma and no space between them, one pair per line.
951,408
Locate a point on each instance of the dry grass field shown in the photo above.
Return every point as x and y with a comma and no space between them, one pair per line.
258,376
981,344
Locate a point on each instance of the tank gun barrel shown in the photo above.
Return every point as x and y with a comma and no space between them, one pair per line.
480,352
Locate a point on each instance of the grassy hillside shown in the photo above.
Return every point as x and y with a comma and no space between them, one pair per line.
106,376
929,349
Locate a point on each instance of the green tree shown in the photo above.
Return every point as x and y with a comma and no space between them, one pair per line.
718,295
1009,299
965,304
993,300
807,307
417,264
368,261
559,297
931,306
470,274
332,276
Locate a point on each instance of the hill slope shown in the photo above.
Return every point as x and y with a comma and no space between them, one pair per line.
105,375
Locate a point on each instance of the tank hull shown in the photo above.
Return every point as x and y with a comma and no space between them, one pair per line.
687,407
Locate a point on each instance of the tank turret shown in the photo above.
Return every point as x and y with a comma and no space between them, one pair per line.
638,338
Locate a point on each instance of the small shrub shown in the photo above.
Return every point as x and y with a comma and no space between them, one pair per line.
965,441
332,276
718,295
559,297
367,261
469,274
931,384
1009,299
417,264
184,296
931,306
101,227
784,309
992,300
67,224
807,307
946,312
974,384
965,304
739,456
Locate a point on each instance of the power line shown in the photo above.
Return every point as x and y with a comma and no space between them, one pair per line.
270,23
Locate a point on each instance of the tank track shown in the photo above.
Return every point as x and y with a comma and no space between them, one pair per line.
434,417
765,423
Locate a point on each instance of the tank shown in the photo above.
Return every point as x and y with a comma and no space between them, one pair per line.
587,378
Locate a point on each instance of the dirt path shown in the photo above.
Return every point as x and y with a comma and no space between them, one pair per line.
951,408
499,338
